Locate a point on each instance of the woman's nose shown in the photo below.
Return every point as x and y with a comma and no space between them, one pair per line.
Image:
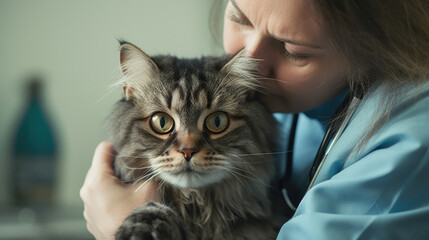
257,47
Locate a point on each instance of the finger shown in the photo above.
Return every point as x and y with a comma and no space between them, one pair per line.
103,158
89,226
85,215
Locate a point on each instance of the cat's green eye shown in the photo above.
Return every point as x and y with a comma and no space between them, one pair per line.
161,123
217,122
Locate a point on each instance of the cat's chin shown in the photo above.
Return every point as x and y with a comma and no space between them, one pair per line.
191,179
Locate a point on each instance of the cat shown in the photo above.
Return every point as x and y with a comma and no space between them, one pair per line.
197,128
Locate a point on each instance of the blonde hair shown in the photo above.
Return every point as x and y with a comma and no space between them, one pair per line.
383,40
386,43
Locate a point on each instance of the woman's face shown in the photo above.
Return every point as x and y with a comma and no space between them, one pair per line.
299,68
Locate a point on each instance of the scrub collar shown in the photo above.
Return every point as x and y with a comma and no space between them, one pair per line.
325,112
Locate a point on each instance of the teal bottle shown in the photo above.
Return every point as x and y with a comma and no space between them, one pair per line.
34,152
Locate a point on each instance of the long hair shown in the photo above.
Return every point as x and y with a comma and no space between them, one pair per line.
386,44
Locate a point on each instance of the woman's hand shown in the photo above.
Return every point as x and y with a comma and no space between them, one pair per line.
107,200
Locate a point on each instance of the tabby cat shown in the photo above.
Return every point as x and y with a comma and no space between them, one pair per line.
196,127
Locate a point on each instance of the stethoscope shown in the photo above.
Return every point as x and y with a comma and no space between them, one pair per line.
335,129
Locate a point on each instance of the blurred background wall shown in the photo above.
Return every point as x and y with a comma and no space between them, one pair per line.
73,47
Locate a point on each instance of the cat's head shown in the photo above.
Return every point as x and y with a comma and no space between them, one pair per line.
191,122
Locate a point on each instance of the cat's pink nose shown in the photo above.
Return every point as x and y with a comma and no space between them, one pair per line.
188,152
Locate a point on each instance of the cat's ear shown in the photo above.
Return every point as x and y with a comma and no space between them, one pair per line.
137,69
241,73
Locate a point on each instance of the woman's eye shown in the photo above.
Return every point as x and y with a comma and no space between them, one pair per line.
161,123
292,56
295,57
232,15
217,122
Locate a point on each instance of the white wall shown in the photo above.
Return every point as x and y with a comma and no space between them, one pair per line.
73,45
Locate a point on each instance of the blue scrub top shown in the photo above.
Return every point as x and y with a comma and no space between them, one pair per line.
377,192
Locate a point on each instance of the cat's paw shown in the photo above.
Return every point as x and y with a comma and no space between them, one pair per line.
153,221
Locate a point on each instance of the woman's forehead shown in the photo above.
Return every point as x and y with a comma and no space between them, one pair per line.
295,20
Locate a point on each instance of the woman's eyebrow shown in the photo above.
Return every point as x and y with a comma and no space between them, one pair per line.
238,10
296,42
234,3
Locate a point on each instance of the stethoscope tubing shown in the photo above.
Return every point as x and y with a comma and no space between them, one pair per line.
333,132
326,142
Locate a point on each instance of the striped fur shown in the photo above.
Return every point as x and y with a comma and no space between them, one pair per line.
221,191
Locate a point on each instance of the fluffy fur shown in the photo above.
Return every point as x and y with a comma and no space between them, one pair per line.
211,162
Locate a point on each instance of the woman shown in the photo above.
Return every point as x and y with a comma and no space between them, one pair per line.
368,179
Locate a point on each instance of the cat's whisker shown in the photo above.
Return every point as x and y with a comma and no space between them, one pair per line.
242,158
253,161
124,181
252,176
138,168
273,79
241,162
223,79
143,158
133,180
138,154
127,156
155,173
237,174
258,154
137,179
161,184
242,169
161,190
232,172
110,89
263,88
